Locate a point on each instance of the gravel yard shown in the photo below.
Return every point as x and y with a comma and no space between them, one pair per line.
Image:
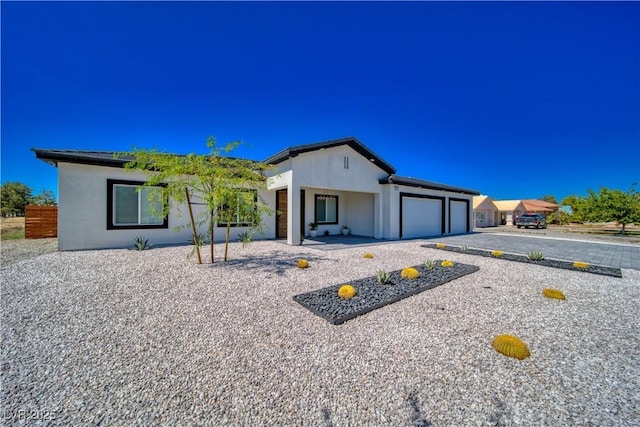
120,337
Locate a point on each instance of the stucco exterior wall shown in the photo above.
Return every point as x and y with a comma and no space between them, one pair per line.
326,169
82,212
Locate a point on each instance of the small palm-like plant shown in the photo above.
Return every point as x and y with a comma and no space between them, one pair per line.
245,238
410,273
368,255
511,346
553,293
535,255
302,263
579,264
430,264
446,263
141,243
347,292
382,276
497,254
464,248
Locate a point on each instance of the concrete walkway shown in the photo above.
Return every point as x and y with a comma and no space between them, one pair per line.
564,248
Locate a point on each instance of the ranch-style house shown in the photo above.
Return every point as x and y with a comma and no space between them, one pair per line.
333,183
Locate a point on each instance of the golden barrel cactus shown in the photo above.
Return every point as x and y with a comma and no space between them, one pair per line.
368,255
410,273
511,346
579,264
347,291
553,293
497,254
440,245
446,263
302,263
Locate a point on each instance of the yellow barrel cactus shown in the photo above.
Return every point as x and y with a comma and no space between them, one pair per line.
446,263
410,273
440,245
368,255
553,293
579,264
347,291
302,263
497,253
511,346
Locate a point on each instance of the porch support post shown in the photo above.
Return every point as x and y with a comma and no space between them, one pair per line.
377,216
293,214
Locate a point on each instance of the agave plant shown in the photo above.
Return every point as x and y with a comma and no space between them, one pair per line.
535,255
382,276
245,238
141,243
430,264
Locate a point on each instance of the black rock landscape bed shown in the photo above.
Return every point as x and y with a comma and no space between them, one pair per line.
372,295
555,263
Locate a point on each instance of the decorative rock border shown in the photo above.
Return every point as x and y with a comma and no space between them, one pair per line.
555,263
372,295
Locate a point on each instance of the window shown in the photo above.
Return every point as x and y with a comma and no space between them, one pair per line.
240,211
346,162
326,209
479,216
130,206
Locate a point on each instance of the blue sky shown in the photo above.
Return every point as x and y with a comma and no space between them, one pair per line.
516,100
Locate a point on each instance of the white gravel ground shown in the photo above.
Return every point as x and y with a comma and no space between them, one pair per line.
120,337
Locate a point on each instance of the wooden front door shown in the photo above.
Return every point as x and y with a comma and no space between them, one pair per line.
281,214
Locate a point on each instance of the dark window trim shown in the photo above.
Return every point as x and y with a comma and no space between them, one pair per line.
111,225
242,224
424,196
453,199
315,209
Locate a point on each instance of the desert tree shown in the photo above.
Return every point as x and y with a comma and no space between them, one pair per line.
614,205
211,180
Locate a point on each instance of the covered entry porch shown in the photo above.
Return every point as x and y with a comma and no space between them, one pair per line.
330,209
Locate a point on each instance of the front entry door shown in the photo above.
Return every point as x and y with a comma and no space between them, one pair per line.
281,214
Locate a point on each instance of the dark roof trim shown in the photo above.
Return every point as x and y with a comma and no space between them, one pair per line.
413,182
95,158
352,142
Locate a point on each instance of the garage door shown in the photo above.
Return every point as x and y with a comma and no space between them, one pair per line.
458,211
421,217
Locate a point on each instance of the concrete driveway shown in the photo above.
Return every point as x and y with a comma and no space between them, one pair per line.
621,255
565,246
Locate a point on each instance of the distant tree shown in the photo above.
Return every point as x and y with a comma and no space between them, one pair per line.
579,208
14,197
549,198
614,205
44,198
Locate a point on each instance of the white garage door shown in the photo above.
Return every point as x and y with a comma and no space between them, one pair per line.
421,217
458,217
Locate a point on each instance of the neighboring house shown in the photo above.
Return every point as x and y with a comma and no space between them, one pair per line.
485,212
540,206
333,183
509,210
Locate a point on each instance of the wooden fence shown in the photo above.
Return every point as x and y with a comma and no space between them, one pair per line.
41,222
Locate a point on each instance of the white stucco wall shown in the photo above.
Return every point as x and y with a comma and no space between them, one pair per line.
82,212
